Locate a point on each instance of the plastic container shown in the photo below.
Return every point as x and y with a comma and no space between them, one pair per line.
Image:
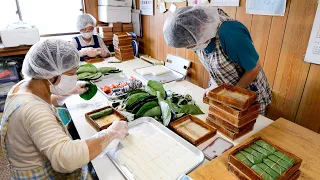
8,74
2,102
114,14
123,3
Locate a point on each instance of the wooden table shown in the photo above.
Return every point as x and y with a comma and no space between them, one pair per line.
296,139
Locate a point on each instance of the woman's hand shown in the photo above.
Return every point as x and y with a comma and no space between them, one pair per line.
79,88
103,53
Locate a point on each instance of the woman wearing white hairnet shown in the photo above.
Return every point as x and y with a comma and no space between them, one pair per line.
224,47
89,44
33,138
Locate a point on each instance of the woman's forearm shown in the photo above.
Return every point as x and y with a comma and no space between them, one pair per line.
249,76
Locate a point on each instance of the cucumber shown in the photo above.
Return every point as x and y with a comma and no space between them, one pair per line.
102,113
135,97
146,107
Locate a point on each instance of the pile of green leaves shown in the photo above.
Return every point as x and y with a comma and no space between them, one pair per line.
89,72
154,102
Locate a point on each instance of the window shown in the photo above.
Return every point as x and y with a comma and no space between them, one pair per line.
49,16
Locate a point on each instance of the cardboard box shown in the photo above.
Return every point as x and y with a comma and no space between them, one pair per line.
18,37
114,14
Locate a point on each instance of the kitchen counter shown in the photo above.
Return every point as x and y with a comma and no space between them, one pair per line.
78,107
298,140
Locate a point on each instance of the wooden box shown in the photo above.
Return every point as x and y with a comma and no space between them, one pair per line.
125,42
123,50
242,176
205,100
195,141
95,123
232,96
228,126
252,114
231,135
90,60
250,174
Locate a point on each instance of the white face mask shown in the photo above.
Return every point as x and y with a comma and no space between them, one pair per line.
87,35
66,84
201,46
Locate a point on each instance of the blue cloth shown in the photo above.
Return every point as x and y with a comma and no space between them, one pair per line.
96,45
64,115
236,42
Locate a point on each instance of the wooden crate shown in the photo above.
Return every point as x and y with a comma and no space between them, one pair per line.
122,42
228,126
235,121
231,135
211,133
205,100
242,176
90,60
95,125
216,95
235,112
247,171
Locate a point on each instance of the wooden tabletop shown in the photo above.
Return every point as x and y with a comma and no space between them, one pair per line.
298,140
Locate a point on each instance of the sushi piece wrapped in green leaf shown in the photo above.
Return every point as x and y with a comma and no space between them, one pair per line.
261,172
253,159
279,161
243,159
265,146
270,171
261,150
274,166
284,157
255,153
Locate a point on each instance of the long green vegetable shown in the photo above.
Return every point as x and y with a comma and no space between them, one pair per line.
284,157
270,171
102,113
261,172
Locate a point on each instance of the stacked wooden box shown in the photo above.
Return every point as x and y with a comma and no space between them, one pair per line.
233,110
127,27
107,31
123,49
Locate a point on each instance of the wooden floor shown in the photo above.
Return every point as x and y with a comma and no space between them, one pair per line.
4,170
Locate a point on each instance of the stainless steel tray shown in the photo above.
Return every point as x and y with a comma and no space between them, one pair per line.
110,79
164,78
149,126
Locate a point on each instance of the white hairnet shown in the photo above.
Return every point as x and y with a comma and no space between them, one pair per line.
191,26
84,19
50,58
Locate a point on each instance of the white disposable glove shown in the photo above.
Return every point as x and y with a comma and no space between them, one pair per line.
93,52
79,88
103,52
117,130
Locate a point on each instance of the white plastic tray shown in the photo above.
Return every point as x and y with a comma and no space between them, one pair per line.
149,126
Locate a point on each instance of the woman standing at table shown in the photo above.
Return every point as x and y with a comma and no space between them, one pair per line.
224,47
33,138
89,44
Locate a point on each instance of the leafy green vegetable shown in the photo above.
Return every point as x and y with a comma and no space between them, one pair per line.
106,70
190,109
135,97
92,90
146,107
87,68
182,102
135,107
157,86
82,76
150,90
153,112
180,115
165,109
261,172
134,91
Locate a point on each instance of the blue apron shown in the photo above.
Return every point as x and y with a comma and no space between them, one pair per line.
95,45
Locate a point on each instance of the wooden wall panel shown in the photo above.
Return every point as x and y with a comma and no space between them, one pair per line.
242,16
231,11
275,40
292,70
91,7
310,102
260,29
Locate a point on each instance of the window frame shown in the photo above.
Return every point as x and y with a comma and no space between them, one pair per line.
18,12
